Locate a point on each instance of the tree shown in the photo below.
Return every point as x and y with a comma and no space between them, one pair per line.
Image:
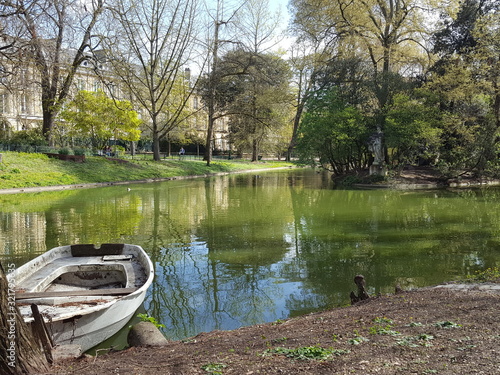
251,92
467,80
390,33
210,81
305,60
94,115
456,35
255,28
413,129
334,133
149,46
56,37
336,124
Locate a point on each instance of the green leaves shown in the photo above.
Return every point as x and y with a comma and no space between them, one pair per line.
307,352
94,115
412,129
333,132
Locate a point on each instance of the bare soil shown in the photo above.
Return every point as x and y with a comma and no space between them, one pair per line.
428,331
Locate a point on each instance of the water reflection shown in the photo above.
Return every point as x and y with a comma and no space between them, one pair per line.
244,249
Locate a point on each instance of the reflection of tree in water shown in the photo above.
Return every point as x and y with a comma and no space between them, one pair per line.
242,249
388,236
194,292
204,288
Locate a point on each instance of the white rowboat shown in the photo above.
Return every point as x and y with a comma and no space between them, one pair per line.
85,294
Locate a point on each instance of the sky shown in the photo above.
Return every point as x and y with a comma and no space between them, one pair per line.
285,17
282,6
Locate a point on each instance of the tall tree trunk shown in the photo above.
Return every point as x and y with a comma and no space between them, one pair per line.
255,150
298,114
296,123
211,99
48,123
208,144
156,141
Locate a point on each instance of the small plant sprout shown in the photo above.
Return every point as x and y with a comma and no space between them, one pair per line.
307,352
147,318
214,368
383,320
415,341
447,324
357,340
382,327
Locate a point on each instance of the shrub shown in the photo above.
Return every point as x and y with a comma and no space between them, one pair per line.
79,151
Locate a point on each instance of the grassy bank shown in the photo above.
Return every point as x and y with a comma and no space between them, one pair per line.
20,170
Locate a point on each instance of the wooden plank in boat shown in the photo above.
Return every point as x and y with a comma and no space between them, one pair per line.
117,257
76,293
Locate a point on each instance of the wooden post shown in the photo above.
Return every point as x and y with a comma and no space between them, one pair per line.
20,352
41,332
359,280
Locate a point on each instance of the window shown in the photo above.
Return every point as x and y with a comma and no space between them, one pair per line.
24,77
4,105
24,104
81,84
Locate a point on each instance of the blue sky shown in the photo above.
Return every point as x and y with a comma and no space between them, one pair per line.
282,5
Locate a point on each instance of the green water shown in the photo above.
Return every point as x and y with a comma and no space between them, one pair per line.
245,249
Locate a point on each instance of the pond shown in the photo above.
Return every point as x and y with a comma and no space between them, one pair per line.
243,249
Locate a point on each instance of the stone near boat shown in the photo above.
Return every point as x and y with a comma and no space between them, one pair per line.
146,334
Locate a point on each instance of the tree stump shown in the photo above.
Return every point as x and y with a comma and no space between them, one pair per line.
359,280
20,352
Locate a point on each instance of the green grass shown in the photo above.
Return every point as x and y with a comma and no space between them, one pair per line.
20,170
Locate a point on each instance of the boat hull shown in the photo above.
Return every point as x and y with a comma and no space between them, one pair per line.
89,330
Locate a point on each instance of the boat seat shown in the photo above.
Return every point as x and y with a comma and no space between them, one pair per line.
89,250
76,293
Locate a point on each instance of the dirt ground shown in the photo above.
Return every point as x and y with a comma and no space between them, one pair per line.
428,331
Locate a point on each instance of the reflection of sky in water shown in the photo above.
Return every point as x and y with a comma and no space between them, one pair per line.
194,292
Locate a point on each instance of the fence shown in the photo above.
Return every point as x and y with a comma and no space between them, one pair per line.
25,148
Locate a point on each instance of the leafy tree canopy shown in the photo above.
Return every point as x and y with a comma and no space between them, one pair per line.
334,133
100,118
